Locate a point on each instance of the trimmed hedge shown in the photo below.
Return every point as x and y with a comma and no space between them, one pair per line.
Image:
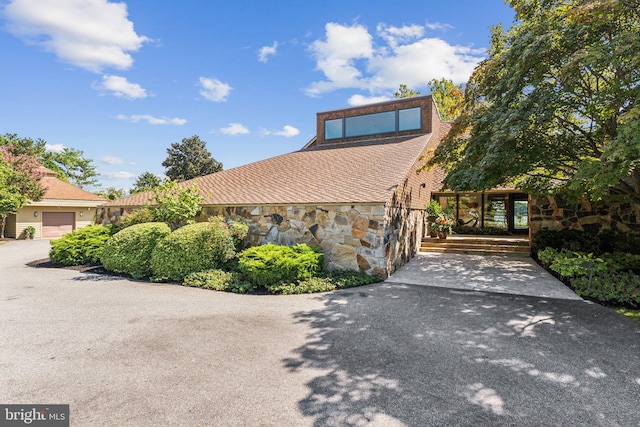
271,265
129,251
218,280
190,249
82,246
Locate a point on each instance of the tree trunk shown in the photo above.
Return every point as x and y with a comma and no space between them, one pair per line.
3,220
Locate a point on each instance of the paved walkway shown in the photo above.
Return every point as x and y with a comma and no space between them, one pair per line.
488,273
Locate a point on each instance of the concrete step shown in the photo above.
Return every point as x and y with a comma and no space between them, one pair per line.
494,245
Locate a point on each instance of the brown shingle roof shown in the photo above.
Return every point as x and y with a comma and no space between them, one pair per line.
351,173
60,190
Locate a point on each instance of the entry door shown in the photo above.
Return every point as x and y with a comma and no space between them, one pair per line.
55,224
519,208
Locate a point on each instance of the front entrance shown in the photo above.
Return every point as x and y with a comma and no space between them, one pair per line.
506,211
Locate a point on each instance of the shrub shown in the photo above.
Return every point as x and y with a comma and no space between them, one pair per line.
571,240
82,246
611,287
238,230
139,216
329,282
29,232
129,250
271,265
218,280
190,249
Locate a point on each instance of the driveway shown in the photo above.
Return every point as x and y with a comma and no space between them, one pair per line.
129,353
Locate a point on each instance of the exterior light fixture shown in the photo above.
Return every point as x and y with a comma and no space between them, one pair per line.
35,214
81,213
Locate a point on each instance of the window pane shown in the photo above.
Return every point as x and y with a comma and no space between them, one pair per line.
495,211
409,119
333,129
370,124
469,210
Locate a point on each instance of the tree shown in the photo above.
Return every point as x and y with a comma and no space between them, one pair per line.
112,193
145,182
554,107
448,97
77,169
70,165
189,159
405,92
19,183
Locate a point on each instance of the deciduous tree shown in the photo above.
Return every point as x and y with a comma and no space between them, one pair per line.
554,107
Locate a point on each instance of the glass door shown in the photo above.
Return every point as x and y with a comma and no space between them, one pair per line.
520,213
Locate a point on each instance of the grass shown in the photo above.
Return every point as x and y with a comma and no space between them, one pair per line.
632,314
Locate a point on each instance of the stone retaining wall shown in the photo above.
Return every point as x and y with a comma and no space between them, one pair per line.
368,237
555,213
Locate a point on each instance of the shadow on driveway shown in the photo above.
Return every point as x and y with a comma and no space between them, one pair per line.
413,355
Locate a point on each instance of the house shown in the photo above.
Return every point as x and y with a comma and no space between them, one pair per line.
63,208
355,190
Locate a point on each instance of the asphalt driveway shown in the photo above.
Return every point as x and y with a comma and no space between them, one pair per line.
130,353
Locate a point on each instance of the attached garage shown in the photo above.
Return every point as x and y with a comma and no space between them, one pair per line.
55,224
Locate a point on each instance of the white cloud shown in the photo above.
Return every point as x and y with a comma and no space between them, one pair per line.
121,87
235,129
214,90
350,57
111,160
266,51
336,57
287,131
118,175
54,148
91,34
135,118
357,100
438,26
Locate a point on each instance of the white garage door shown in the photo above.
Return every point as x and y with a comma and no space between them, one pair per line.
55,224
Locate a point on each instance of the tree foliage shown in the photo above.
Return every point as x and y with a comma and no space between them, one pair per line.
145,182
69,164
19,182
189,159
555,105
112,193
405,92
448,97
175,205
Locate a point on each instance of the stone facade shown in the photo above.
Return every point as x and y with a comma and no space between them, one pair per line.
368,237
555,213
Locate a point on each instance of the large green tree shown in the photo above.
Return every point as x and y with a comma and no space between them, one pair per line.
19,183
189,159
69,164
145,182
554,107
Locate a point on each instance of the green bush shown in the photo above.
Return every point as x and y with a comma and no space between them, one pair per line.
139,216
238,230
329,282
29,232
610,287
129,250
571,240
218,280
271,265
190,249
82,246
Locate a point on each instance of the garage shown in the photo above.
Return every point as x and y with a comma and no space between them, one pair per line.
55,224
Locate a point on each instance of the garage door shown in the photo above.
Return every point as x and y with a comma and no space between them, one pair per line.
55,224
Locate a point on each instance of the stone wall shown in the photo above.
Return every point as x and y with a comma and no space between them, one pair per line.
555,213
368,237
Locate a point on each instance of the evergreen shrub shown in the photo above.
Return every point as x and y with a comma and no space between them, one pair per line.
129,250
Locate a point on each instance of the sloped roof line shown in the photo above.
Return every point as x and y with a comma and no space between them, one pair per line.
358,173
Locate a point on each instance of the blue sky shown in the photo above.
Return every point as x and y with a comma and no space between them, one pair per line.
122,81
